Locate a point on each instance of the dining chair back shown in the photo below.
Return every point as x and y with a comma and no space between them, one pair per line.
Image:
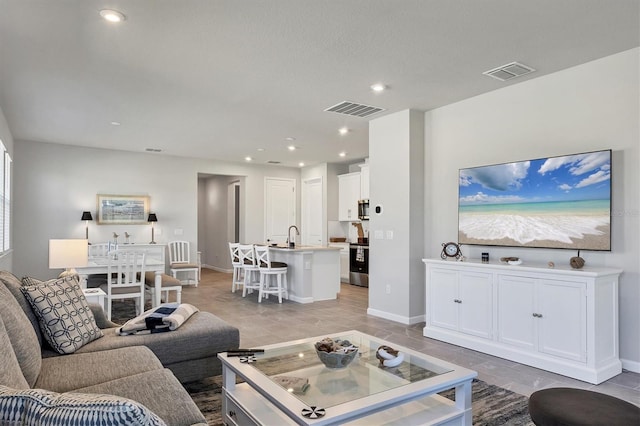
126,274
269,270
237,279
250,270
180,262
99,250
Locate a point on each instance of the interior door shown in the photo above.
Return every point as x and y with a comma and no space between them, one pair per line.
280,208
312,232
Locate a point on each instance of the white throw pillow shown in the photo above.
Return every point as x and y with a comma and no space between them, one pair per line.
65,318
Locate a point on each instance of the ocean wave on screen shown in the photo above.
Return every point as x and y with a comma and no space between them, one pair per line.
526,229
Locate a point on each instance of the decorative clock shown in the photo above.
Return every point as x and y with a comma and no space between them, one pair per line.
451,250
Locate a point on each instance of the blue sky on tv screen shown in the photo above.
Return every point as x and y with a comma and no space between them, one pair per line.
556,179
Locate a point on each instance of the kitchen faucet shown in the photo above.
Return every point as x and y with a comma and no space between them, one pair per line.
289,241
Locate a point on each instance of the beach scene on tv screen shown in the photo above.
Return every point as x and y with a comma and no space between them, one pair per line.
556,202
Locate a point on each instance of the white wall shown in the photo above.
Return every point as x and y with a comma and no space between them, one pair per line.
6,261
396,274
589,107
55,183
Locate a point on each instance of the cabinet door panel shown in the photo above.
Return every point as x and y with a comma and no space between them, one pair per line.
442,308
516,323
562,327
348,196
476,307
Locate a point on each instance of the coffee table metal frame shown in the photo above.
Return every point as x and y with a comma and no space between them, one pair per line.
259,400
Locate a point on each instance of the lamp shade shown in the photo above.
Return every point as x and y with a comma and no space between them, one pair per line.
152,217
86,216
68,253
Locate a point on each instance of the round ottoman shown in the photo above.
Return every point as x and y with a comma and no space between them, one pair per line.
568,406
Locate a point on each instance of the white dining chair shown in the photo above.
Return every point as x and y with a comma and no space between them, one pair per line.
126,272
98,251
237,279
180,262
168,284
269,270
250,269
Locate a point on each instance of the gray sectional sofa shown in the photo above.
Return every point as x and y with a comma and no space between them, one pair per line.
147,369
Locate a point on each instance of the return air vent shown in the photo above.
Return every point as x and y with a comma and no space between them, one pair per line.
354,109
273,162
509,71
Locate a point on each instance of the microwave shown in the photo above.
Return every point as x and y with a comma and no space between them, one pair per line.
363,209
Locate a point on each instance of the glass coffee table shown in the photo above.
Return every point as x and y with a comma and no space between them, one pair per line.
288,384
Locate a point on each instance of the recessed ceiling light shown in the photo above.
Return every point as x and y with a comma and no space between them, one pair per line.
290,139
378,87
260,149
112,15
301,164
343,154
248,158
343,130
291,148
115,123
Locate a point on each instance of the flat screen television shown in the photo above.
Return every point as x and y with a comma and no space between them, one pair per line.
557,202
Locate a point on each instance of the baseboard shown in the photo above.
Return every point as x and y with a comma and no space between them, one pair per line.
215,268
633,366
397,318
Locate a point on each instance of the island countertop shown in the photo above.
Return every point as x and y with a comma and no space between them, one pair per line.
281,247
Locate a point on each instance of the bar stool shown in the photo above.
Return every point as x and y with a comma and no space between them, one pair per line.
268,269
250,269
237,279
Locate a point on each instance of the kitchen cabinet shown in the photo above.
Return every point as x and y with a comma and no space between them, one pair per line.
348,196
558,319
461,301
344,260
364,181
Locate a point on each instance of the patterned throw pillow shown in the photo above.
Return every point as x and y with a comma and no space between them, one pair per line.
65,318
45,408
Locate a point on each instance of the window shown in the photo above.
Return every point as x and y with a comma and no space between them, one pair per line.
5,199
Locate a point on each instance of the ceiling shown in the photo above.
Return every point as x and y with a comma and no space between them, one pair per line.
227,79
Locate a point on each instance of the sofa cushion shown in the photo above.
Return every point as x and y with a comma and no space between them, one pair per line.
71,372
21,335
10,373
203,335
46,408
14,284
159,391
65,318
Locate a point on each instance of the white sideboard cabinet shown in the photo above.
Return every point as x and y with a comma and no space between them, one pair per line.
561,320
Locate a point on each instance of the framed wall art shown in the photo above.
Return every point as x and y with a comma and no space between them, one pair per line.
122,209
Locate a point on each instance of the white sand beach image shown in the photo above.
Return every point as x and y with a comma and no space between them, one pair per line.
559,202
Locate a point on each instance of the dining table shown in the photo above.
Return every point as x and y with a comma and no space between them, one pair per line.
155,262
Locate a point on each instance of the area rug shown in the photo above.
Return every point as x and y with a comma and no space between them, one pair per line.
492,405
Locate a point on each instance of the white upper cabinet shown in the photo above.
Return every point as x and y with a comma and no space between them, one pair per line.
364,181
348,196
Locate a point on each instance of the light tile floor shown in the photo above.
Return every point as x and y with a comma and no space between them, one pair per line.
271,322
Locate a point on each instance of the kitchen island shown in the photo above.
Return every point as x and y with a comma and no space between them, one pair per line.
313,272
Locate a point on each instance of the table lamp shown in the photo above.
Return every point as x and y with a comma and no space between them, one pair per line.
86,216
68,254
152,218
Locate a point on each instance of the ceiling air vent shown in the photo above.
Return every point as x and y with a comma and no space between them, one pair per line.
357,110
273,162
509,71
